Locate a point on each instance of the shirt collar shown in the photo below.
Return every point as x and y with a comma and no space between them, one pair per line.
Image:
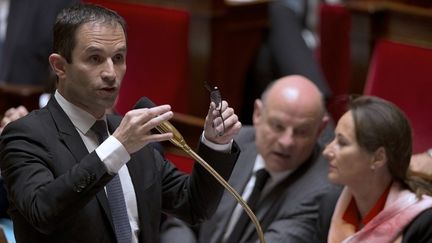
81,119
275,176
352,214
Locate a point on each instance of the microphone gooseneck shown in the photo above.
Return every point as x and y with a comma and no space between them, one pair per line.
165,126
180,142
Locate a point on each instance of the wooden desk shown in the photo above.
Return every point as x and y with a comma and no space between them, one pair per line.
224,38
372,20
12,95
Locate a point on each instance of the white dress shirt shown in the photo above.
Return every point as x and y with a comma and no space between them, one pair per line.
275,178
113,154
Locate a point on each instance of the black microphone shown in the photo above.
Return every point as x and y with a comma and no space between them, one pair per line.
165,126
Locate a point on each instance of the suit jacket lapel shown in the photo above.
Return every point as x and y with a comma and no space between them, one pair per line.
70,137
238,181
271,203
246,162
67,132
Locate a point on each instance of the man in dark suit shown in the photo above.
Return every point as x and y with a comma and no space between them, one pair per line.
287,49
28,41
59,168
288,121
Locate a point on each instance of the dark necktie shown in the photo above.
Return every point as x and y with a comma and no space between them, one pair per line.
115,195
261,178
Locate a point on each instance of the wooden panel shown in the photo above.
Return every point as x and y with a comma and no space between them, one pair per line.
12,95
394,20
224,38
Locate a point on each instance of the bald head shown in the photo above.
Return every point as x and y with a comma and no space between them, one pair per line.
288,120
296,93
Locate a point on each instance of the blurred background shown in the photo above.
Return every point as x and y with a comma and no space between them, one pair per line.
346,47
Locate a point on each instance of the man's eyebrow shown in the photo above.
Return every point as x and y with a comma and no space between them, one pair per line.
92,49
97,49
122,49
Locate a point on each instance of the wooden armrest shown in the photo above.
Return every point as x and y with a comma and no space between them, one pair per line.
190,127
12,95
189,120
417,10
21,90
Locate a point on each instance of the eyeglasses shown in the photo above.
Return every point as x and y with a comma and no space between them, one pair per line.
216,98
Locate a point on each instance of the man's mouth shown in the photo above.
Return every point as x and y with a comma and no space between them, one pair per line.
282,155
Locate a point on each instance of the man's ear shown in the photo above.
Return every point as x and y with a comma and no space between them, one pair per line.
324,121
58,65
257,113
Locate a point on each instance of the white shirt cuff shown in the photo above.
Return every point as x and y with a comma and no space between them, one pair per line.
217,147
113,154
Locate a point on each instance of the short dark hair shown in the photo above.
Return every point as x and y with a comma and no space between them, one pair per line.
71,18
379,123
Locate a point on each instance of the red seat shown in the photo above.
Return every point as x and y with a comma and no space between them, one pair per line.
182,162
157,59
402,74
334,54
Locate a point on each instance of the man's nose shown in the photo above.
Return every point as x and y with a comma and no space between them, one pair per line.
108,72
286,138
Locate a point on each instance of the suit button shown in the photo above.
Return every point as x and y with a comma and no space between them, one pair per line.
81,184
77,189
